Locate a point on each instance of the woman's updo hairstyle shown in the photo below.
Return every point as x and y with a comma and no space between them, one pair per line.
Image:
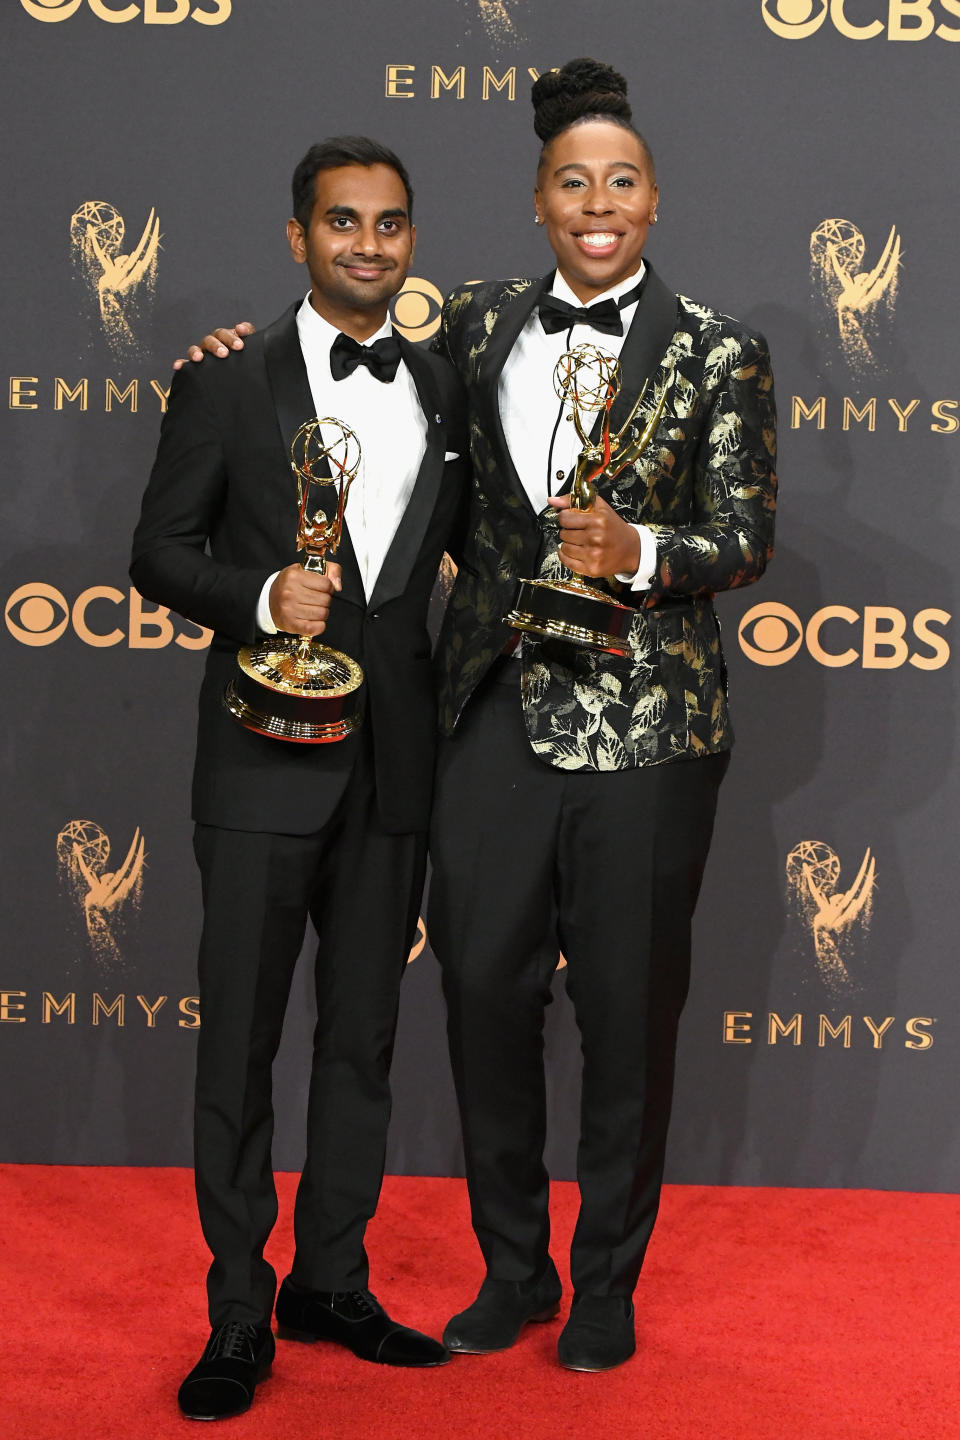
579,91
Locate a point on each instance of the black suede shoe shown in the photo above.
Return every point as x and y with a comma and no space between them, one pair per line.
501,1310
599,1333
356,1319
238,1356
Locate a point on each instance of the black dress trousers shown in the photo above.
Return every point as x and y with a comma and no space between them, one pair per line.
361,888
607,866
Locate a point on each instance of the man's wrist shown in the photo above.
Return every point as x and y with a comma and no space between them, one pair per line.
265,620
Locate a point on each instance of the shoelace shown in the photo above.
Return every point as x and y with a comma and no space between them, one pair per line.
367,1304
233,1341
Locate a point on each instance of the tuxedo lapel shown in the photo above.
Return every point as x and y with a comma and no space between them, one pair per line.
293,404
405,545
509,322
652,329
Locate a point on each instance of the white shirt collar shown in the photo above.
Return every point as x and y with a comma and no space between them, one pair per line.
561,290
316,331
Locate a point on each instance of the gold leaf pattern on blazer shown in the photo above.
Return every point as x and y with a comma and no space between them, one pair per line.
705,486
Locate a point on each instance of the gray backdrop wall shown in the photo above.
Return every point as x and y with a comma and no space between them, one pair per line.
807,160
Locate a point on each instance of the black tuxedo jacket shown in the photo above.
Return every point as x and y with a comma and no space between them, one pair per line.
219,516
706,487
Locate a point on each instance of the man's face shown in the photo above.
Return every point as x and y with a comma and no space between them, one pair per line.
597,196
359,243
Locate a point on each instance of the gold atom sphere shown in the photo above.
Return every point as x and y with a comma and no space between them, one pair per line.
586,376
326,439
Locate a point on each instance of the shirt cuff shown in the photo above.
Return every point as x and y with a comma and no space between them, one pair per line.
264,617
643,577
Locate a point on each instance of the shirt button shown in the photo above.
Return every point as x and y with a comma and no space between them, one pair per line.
561,475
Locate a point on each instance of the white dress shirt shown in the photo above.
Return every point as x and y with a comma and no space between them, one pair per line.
392,430
529,408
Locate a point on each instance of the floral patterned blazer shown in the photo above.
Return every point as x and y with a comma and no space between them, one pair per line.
705,484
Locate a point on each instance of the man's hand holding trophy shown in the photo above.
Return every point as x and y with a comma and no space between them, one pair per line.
292,687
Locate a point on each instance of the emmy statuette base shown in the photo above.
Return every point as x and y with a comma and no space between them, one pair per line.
305,731
291,691
561,610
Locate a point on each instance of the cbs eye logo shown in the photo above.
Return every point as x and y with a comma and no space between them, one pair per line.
416,310
155,12
38,614
51,9
772,634
905,19
794,19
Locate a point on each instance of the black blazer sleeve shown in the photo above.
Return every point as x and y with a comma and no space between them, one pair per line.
183,506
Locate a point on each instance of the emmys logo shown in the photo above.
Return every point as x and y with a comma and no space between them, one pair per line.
407,82
155,12
772,634
120,283
861,300
416,310
905,19
105,896
838,920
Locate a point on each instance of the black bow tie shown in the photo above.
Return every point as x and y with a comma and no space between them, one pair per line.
557,315
382,358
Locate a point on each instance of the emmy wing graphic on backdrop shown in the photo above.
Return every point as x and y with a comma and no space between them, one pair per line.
105,896
497,20
419,941
120,283
861,300
837,919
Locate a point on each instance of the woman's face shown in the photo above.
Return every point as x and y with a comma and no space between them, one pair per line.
597,197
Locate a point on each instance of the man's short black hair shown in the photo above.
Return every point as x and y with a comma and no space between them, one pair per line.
331,154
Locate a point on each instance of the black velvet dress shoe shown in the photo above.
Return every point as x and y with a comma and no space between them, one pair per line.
238,1356
599,1333
501,1310
356,1319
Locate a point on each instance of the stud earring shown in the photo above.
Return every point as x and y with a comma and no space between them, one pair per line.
537,220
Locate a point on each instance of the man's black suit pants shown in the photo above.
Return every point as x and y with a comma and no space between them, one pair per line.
361,888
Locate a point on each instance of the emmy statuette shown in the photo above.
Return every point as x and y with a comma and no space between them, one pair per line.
573,610
292,687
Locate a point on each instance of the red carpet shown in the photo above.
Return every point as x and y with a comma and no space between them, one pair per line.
762,1314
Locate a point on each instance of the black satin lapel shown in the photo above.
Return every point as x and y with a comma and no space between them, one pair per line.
287,374
652,329
405,545
510,321
293,403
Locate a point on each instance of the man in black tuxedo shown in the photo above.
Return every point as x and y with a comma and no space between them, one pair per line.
285,831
